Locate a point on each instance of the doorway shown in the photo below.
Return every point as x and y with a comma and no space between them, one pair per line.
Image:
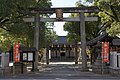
63,55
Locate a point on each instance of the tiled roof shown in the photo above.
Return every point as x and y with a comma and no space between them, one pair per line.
27,48
116,42
95,40
61,40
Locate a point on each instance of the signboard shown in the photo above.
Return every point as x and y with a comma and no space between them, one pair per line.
17,52
30,56
105,51
25,56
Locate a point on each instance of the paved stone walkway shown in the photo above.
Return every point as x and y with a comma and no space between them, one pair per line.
61,71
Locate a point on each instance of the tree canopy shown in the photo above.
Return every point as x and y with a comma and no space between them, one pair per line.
109,16
12,26
73,28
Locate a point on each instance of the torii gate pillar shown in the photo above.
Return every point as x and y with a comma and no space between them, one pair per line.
83,41
36,38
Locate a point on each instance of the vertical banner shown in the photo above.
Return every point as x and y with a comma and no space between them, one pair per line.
105,51
17,52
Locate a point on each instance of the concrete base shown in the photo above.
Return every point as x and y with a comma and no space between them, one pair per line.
115,72
98,67
18,68
5,71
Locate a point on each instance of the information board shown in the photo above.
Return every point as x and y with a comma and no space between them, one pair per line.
30,56
24,56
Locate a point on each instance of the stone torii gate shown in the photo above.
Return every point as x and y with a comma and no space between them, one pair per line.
81,18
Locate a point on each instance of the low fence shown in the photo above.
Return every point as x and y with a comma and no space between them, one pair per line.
4,64
115,63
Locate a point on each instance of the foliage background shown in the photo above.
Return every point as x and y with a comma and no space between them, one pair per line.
13,28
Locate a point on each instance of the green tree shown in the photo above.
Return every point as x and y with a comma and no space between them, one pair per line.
12,13
110,14
73,28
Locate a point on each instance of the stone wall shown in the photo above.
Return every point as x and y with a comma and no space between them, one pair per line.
19,69
5,72
105,70
8,71
99,67
115,72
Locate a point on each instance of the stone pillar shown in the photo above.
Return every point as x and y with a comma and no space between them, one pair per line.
83,41
36,38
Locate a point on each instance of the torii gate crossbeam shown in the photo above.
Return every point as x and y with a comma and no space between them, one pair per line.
32,19
65,10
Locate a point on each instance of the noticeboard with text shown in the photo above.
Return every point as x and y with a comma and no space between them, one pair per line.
24,56
105,51
28,56
17,52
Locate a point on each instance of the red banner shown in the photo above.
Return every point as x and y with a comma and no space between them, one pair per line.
17,52
105,51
